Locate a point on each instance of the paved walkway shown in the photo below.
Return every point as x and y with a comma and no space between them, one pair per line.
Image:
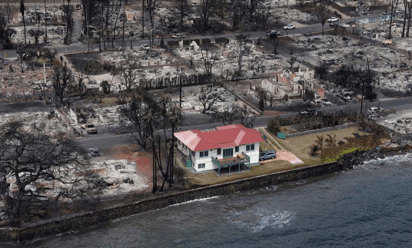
282,153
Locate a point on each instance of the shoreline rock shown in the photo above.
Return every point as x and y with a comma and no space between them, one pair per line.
348,161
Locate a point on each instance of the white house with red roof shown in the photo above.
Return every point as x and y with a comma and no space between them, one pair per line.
222,147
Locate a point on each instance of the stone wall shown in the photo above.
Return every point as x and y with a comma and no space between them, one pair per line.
87,219
325,129
174,81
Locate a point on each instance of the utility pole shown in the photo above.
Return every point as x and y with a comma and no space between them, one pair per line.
143,18
45,22
87,25
22,7
363,83
68,17
124,19
180,86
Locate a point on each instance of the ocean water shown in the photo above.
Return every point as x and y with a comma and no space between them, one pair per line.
370,206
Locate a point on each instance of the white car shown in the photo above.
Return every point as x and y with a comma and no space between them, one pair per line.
289,26
145,47
333,19
325,102
178,36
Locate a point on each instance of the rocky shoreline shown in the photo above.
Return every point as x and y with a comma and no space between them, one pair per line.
348,161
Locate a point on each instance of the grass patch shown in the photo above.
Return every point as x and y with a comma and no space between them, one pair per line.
363,143
340,154
210,178
268,144
299,146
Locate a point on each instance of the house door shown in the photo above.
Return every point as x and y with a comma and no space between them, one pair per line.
189,161
227,153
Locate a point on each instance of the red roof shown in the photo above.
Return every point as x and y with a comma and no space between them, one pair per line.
222,137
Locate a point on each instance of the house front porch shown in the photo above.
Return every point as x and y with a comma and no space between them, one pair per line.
239,163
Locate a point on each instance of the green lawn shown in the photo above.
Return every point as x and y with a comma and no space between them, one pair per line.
300,145
211,177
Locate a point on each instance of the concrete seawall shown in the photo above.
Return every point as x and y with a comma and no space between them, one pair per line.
88,219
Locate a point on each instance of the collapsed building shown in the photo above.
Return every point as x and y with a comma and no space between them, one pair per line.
291,84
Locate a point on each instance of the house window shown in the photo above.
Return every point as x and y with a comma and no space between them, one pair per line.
219,151
204,154
236,149
201,166
193,154
250,147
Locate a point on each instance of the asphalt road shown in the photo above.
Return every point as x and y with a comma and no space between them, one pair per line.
108,139
77,47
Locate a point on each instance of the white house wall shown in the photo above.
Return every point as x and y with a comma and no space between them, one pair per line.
254,157
183,148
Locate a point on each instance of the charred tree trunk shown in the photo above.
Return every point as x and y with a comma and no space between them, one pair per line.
409,19
154,167
115,23
405,13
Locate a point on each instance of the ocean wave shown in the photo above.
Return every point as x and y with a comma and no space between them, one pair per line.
255,221
396,159
195,200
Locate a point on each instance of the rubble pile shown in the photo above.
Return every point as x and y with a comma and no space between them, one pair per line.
225,59
315,43
401,125
108,115
396,81
37,13
405,44
118,177
18,86
286,15
54,33
51,122
380,32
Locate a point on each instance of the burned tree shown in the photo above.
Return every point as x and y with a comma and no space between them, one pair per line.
140,117
129,75
36,33
234,113
22,10
172,117
151,9
209,59
292,60
322,69
182,10
242,50
227,116
394,6
30,159
320,13
61,80
207,9
208,97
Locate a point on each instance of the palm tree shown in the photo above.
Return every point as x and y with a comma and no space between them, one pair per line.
319,142
330,140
